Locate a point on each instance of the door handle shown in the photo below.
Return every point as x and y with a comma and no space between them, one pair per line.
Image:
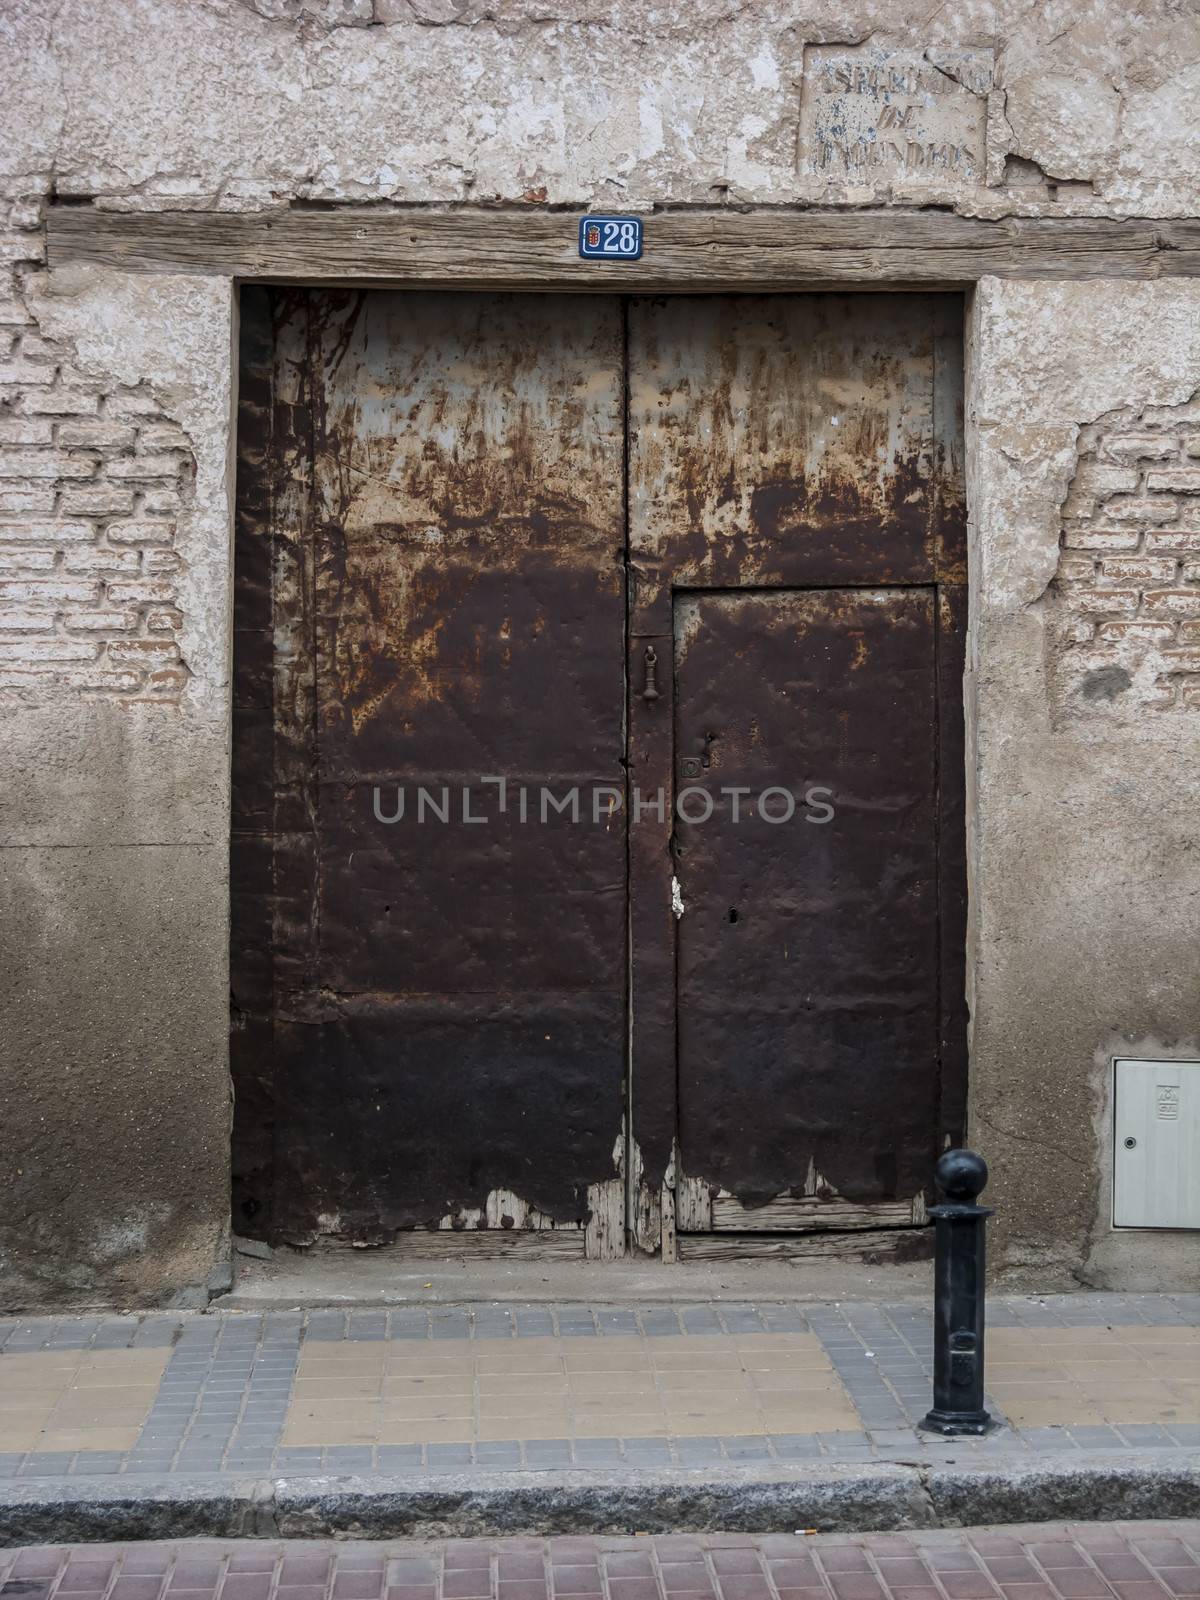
650,674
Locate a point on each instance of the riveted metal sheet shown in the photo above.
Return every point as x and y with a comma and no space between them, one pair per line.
447,605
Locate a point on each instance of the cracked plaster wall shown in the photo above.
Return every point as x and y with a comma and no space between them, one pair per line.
1085,878
116,1088
252,102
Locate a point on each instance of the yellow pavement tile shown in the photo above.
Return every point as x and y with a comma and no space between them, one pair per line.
635,1400
100,1398
337,1413
1107,1374
603,1360
149,1363
65,1439
801,1349
401,1365
18,1399
338,1371
535,1428
1169,1334
1144,1388
22,1438
431,1383
608,1383
1041,1338
441,1406
531,1383
33,1363
398,1431
338,1388
738,1425
313,1438
811,1419
523,1355
1165,1409
696,1358
549,1388
77,1408
632,1425
732,1381
1045,1404
806,1379
519,1407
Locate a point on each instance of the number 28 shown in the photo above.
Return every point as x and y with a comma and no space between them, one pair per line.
621,237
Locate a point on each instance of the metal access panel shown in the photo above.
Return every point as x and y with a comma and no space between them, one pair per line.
1156,1161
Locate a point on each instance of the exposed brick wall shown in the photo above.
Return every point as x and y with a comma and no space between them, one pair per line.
92,478
1128,581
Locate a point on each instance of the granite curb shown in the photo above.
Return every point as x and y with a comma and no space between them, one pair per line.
827,1499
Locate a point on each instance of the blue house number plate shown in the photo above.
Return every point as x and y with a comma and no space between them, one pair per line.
610,238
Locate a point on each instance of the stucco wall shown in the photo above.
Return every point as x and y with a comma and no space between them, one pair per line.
116,397
1084,874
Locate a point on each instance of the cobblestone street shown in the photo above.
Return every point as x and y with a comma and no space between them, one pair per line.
1113,1561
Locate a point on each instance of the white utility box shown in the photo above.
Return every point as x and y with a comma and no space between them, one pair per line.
1156,1144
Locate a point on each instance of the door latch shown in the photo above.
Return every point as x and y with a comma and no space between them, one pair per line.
650,682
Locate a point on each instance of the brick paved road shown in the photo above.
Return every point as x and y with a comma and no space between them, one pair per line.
1114,1561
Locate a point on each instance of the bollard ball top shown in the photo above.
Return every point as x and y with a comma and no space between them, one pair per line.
961,1174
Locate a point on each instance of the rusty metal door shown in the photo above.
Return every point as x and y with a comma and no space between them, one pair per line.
428,963
493,547
796,539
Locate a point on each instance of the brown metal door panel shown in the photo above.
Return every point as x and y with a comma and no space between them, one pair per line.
808,950
785,442
783,439
448,998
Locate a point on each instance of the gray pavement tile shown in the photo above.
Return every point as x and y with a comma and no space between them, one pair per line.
1048,1439
46,1464
647,1451
1096,1436
348,1456
1145,1434
660,1323
498,1453
747,1449
622,1323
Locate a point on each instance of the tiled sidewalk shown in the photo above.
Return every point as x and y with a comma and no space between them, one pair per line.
419,1391
1114,1561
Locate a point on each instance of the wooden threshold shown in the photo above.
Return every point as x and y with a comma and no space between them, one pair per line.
883,1243
808,1214
684,250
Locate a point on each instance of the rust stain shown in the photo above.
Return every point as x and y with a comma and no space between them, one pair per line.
440,599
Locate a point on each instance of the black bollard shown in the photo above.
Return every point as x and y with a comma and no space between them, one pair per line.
958,1296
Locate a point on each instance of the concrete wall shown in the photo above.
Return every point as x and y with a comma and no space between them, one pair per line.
115,409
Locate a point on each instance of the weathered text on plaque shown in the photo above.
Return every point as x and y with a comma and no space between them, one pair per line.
871,115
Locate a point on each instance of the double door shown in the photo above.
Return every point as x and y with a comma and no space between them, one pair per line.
598,864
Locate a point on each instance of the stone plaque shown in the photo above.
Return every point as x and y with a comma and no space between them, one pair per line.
874,116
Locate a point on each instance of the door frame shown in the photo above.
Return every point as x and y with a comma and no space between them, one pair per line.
775,249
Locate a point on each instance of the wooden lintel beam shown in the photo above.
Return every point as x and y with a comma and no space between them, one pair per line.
684,250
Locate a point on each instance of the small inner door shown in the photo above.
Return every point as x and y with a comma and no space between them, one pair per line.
806,861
